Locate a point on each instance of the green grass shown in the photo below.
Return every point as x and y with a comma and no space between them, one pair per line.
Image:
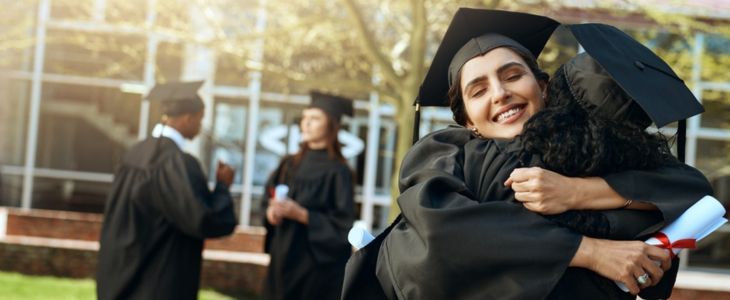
18,286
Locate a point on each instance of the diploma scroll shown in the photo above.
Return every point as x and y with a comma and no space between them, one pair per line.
280,192
359,236
694,224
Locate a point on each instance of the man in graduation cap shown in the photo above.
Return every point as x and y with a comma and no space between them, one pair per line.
452,244
160,209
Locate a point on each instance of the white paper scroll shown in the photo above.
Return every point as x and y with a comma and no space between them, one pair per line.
696,223
280,192
359,236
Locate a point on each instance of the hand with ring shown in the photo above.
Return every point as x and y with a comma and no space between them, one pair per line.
643,280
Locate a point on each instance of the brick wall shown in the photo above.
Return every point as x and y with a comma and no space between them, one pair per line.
682,294
87,226
65,244
54,224
77,259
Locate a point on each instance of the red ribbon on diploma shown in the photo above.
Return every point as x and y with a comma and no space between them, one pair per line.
680,244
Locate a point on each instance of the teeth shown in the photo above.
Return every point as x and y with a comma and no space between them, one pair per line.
508,113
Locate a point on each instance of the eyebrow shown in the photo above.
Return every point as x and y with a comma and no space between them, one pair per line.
499,70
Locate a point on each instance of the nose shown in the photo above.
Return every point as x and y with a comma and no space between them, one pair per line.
500,93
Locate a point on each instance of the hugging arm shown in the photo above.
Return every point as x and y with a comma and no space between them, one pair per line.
447,242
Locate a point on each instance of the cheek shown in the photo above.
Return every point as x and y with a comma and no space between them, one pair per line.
475,112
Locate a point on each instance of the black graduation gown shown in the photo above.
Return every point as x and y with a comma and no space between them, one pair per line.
308,261
156,218
454,244
488,163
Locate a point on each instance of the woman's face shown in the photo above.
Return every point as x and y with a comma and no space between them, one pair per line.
500,93
314,126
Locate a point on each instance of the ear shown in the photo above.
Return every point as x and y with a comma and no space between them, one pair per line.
543,90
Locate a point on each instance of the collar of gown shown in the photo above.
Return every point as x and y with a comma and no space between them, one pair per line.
169,132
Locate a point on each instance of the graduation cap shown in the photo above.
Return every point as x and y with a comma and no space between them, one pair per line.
473,32
334,106
178,98
642,74
590,84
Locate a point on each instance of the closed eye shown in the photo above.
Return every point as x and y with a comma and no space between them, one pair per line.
478,93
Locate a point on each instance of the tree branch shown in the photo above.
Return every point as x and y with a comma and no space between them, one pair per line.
369,44
418,43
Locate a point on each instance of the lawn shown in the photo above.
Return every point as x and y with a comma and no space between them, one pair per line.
18,286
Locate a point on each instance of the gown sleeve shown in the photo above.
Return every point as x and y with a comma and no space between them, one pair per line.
175,198
449,246
672,188
328,226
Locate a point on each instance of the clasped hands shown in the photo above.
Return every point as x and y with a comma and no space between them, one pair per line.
278,210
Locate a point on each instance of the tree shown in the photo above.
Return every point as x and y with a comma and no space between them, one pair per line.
336,46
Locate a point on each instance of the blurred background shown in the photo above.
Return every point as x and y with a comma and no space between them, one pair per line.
73,74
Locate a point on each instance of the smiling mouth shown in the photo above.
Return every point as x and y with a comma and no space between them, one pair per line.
510,114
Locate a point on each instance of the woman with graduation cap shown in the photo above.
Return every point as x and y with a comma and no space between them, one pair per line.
160,209
459,236
306,229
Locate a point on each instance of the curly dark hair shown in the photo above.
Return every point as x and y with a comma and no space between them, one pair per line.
572,141
456,100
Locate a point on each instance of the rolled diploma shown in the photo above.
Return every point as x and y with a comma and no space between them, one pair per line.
359,237
280,192
696,223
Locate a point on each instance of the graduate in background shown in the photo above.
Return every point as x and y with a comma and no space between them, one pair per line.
160,209
306,230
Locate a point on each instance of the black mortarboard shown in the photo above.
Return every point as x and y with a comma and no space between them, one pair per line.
178,98
473,32
642,74
590,84
334,106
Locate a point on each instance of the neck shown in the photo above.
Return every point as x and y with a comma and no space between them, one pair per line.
318,145
177,127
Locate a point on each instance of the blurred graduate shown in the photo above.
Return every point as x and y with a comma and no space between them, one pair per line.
160,208
306,229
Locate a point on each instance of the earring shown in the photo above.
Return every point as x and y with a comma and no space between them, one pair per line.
476,133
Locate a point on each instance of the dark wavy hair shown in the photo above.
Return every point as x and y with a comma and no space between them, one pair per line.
572,141
456,99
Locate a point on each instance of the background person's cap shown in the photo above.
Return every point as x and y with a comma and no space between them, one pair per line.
177,98
334,106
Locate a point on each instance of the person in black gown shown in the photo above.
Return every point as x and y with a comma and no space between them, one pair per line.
306,231
453,243
582,132
160,209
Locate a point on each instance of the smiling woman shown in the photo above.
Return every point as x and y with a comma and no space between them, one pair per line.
500,90
464,235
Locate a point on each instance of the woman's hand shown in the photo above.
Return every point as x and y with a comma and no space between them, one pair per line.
543,191
548,193
290,209
272,214
623,261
